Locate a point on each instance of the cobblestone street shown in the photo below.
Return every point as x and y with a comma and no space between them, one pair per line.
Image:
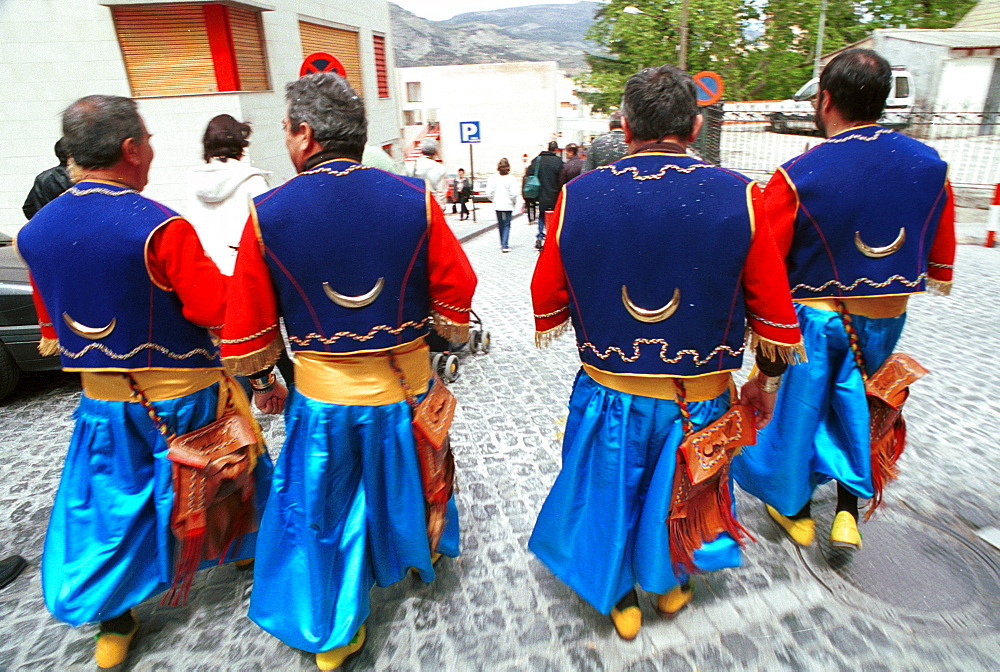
924,594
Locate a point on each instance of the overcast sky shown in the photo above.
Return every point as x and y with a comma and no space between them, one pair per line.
439,10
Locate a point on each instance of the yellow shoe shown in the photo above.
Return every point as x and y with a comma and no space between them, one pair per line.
244,565
435,557
334,658
112,648
802,531
670,603
844,533
627,621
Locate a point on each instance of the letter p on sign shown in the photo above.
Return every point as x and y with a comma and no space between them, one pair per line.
469,131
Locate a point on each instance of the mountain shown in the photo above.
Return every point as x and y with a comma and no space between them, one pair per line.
532,33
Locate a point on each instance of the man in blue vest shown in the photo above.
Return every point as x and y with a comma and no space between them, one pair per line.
660,263
132,296
361,265
863,220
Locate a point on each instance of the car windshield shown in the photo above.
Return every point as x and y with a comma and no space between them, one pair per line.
808,90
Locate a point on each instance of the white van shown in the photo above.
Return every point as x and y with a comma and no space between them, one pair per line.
797,114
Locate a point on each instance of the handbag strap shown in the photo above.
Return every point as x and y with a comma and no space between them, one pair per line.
852,338
161,425
411,399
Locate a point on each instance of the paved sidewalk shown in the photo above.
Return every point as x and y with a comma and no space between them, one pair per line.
924,594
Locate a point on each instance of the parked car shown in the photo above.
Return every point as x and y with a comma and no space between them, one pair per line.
797,114
19,331
479,190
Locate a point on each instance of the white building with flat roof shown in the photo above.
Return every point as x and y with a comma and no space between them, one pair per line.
184,63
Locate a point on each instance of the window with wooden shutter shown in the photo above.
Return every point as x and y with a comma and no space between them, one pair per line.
340,43
172,49
381,72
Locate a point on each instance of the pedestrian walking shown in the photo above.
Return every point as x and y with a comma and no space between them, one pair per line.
572,166
461,189
545,167
361,264
610,147
429,169
501,189
660,310
865,220
133,296
49,183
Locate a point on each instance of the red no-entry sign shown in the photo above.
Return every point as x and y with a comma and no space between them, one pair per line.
709,88
321,62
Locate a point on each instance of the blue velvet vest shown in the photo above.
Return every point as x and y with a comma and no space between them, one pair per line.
87,254
869,204
344,230
664,226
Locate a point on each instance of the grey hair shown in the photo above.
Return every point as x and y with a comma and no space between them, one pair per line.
94,128
332,109
429,147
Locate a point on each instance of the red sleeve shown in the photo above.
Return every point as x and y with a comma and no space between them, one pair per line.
177,263
781,204
49,345
941,260
549,289
452,280
770,313
251,339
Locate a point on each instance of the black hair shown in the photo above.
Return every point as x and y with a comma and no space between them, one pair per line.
553,145
61,152
857,81
660,102
225,138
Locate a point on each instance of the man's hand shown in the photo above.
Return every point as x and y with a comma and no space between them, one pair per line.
273,401
751,394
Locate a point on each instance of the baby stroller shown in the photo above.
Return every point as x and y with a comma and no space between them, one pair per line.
445,354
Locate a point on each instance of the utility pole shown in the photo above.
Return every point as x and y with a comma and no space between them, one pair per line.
682,61
819,38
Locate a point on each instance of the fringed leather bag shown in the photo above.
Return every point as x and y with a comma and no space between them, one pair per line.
214,502
432,418
701,505
886,390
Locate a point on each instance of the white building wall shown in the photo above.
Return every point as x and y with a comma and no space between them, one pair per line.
53,52
964,85
516,105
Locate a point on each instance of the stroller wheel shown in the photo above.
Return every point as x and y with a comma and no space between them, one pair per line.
475,341
484,342
436,363
450,368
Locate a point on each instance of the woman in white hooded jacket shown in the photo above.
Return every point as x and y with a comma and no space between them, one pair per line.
503,189
220,191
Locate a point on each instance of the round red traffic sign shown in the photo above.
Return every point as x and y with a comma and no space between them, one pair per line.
709,87
321,62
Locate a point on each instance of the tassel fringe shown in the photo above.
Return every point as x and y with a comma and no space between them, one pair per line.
48,346
246,365
543,339
938,287
885,453
788,353
449,329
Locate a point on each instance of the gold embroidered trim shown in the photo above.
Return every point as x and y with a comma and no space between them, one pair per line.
552,314
935,265
867,281
76,191
246,365
855,136
145,346
48,346
543,339
450,307
231,341
774,350
45,324
663,351
779,325
654,176
395,331
336,173
939,287
455,332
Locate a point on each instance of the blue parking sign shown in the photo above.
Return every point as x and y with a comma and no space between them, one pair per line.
469,131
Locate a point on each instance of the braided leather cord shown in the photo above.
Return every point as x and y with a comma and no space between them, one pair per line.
682,402
410,397
852,337
147,404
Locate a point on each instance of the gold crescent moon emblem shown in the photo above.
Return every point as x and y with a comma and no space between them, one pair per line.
91,333
651,316
879,252
359,301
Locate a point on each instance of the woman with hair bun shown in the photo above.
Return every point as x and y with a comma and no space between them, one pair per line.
219,192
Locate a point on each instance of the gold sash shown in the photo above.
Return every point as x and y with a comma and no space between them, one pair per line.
697,388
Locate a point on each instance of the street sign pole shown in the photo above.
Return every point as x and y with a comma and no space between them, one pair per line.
472,178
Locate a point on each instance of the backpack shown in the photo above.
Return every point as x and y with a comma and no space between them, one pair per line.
532,186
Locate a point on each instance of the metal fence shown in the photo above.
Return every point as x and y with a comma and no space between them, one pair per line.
746,142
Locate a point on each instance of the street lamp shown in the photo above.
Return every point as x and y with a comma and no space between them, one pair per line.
682,57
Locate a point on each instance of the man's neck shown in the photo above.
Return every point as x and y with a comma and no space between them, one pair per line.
116,174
